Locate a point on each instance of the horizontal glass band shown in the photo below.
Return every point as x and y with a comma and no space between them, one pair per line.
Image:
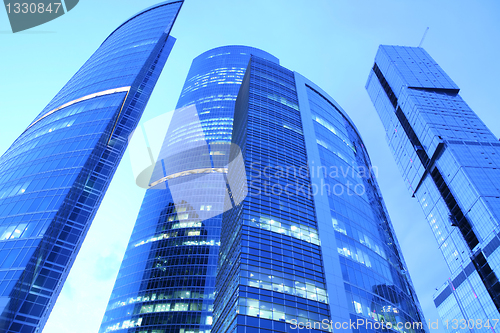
84,98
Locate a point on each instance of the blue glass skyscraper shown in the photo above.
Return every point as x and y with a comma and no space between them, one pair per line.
311,246
166,282
53,177
450,162
214,249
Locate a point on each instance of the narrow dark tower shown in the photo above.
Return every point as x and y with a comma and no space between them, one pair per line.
450,162
54,176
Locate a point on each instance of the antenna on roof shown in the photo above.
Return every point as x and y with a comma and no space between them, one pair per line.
423,37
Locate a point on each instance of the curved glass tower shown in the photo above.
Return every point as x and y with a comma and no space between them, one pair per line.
166,282
53,177
311,246
286,226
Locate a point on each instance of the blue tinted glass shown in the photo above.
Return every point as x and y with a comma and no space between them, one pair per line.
53,177
449,160
312,241
167,279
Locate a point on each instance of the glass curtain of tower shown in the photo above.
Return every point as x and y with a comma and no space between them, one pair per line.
449,160
312,242
282,258
167,279
55,174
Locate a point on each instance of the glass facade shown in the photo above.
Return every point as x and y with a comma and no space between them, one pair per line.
166,282
450,162
53,177
311,248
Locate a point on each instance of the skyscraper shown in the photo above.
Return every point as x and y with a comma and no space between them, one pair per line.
284,258
166,282
311,246
53,177
450,162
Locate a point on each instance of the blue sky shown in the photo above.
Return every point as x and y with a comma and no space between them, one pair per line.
331,42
